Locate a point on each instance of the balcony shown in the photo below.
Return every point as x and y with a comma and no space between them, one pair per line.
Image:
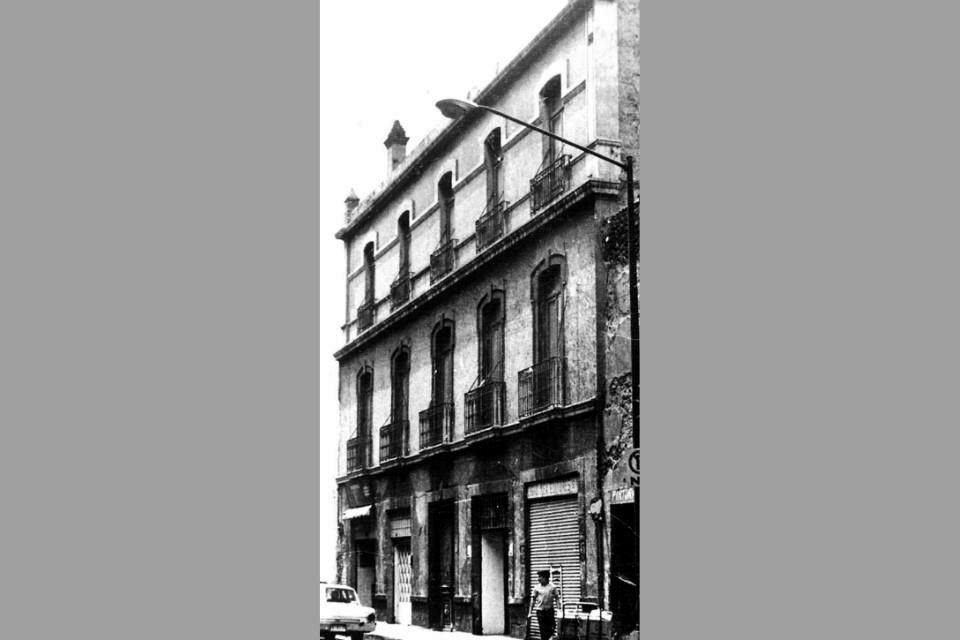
442,260
484,406
549,183
393,440
358,453
490,225
436,424
543,386
400,290
365,316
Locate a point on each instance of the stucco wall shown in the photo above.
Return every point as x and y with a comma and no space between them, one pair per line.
574,239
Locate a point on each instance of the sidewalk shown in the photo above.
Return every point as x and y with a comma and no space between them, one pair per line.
386,631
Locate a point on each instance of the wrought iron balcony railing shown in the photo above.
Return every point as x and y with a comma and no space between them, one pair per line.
490,225
400,290
365,316
393,440
542,386
484,406
549,183
436,424
358,453
442,260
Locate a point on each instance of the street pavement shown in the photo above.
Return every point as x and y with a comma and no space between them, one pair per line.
386,631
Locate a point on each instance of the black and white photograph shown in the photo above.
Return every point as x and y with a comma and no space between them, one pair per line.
485,371
443,319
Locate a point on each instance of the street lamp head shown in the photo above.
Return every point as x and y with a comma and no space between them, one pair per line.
453,108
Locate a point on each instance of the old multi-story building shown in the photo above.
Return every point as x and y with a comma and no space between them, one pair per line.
485,375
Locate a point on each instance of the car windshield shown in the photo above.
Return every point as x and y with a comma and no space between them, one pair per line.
340,595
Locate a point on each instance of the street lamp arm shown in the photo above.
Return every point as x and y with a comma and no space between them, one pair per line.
463,107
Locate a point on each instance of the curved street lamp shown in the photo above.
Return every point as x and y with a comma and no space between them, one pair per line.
454,109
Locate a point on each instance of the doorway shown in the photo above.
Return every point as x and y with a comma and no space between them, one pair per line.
440,549
493,577
624,567
401,581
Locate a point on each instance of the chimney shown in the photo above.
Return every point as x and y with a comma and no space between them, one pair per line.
396,144
351,202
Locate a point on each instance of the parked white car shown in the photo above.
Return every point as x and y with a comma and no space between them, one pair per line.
342,613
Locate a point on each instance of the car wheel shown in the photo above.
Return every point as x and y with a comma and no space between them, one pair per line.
356,635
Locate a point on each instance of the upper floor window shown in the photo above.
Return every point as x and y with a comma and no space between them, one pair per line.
493,163
551,117
400,385
403,236
446,199
359,447
364,402
442,383
490,325
548,310
369,273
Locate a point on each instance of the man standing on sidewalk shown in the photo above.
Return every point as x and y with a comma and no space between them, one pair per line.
545,595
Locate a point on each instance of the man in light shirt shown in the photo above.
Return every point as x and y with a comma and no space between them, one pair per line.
545,599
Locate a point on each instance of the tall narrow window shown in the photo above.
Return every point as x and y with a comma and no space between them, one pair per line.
394,435
544,384
436,421
551,180
491,340
369,273
443,364
551,115
445,195
400,386
365,312
442,259
400,289
403,234
549,317
484,402
493,162
358,447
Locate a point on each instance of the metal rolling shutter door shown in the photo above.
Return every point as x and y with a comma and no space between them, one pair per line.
555,542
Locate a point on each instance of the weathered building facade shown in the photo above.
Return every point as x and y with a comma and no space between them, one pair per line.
484,380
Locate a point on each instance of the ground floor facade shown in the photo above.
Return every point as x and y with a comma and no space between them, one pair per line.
454,539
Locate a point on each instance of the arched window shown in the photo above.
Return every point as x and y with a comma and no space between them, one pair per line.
446,199
443,363
403,236
436,422
442,259
548,311
490,322
400,289
544,384
369,273
394,437
359,449
493,163
551,117
484,402
400,385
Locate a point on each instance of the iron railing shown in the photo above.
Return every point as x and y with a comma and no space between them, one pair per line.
484,406
490,225
442,260
365,316
436,424
400,290
358,453
393,440
542,386
550,182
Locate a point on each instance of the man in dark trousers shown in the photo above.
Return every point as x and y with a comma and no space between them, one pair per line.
545,599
